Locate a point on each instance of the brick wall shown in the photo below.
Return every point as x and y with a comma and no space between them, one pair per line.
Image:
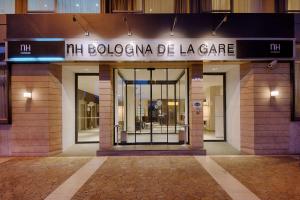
265,120
105,107
36,123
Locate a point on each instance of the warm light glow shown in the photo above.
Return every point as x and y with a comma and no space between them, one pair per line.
27,95
171,103
274,93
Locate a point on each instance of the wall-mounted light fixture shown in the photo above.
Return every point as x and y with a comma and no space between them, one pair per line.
86,32
173,26
214,32
27,95
129,33
274,93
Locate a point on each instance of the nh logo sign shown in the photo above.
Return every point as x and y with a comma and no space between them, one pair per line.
25,49
275,48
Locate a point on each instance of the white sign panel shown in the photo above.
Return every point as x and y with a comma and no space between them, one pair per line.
150,50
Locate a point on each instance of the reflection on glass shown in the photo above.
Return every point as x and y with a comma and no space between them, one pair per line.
3,93
7,6
87,108
78,6
213,107
41,5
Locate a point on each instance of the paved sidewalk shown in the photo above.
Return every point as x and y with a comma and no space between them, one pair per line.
155,178
151,178
270,178
35,178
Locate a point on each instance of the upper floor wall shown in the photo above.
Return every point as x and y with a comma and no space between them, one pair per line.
147,6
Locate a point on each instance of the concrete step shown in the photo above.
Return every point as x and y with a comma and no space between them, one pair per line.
187,152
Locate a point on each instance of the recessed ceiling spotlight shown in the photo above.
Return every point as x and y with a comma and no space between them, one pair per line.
77,5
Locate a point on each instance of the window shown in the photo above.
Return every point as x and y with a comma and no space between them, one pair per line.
41,6
4,80
7,6
297,91
78,6
254,6
214,107
221,5
127,6
158,6
87,108
293,6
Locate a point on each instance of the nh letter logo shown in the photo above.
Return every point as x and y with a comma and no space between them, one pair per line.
275,48
25,49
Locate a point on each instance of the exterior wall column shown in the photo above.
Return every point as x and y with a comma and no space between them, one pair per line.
265,120
106,126
37,122
196,118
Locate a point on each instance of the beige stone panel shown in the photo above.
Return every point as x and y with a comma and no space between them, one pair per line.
272,133
20,85
30,79
272,114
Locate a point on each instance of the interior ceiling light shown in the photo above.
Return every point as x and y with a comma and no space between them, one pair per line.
214,32
86,32
173,26
129,33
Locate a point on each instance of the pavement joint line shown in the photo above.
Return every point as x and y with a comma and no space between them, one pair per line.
235,189
69,188
2,160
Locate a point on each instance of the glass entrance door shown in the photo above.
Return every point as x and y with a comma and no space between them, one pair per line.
150,106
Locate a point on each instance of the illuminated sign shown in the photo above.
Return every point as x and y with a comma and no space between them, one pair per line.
36,50
176,49
151,50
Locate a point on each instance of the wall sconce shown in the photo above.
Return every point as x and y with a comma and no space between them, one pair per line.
274,93
27,95
129,33
224,20
75,20
173,26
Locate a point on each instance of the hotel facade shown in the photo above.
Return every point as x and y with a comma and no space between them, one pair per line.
149,77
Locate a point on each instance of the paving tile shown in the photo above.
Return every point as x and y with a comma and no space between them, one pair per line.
151,178
71,185
270,178
35,178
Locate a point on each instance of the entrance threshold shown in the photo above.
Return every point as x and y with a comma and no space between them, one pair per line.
151,150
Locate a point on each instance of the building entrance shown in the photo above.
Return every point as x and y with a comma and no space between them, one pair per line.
151,106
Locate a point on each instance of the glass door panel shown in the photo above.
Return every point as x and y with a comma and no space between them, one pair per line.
150,105
142,106
213,107
87,108
159,117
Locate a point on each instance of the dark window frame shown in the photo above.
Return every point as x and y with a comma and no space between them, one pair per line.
151,83
287,8
76,108
223,74
225,11
8,120
293,78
